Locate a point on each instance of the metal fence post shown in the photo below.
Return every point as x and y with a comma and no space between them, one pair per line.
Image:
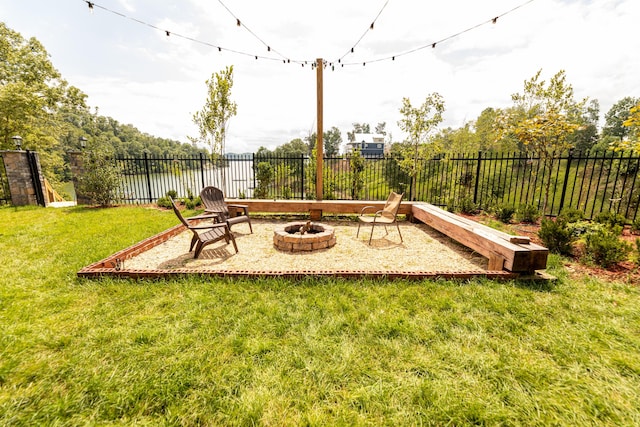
147,172
302,176
566,180
202,169
475,189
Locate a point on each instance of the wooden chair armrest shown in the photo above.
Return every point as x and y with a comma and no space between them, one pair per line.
365,208
245,208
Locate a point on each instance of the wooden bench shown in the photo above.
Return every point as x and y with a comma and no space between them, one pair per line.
504,251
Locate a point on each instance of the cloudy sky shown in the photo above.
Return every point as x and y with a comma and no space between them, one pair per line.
138,75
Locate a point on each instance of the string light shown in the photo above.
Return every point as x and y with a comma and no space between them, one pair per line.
458,34
366,31
240,24
91,5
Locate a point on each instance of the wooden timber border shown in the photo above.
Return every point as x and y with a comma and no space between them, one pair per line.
504,251
509,256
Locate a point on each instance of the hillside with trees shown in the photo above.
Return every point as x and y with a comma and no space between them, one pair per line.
51,115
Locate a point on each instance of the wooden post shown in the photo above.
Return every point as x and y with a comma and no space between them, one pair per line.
319,142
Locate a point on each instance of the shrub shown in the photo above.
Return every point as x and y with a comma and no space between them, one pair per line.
467,206
605,248
100,181
556,236
610,219
192,203
528,213
164,202
505,212
571,215
172,193
635,226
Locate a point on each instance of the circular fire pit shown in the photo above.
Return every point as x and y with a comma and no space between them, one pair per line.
303,236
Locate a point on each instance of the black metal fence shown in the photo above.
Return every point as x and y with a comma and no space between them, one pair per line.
592,182
5,195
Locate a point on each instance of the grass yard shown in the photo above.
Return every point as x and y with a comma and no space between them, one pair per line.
199,351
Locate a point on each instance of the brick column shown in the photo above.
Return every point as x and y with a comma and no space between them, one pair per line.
76,164
21,185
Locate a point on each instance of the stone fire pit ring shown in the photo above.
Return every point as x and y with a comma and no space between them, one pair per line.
288,238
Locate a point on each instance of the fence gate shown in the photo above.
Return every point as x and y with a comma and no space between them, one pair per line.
5,195
32,158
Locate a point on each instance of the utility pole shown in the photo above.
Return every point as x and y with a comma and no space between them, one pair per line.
319,141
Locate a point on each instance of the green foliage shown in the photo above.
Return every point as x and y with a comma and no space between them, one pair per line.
264,176
556,235
611,220
213,119
528,213
544,119
192,203
356,166
505,212
164,202
635,226
571,215
172,193
419,123
605,248
467,206
100,181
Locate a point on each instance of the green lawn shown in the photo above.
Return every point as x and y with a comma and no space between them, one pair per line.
203,351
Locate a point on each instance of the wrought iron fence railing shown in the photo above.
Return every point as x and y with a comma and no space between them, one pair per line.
592,182
5,196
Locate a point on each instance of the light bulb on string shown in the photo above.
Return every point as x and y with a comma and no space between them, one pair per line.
238,23
168,33
90,7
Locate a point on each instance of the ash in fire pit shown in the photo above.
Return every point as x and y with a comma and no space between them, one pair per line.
303,236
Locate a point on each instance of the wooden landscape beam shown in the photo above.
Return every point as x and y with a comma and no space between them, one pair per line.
513,253
309,206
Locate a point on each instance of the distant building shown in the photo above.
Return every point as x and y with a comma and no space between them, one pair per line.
370,144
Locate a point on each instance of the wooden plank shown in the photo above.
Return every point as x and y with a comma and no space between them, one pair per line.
517,257
305,206
456,218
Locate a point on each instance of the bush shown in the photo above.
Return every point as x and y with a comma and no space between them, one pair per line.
172,193
605,248
610,219
635,226
556,236
528,213
505,212
192,203
100,181
571,215
467,206
163,202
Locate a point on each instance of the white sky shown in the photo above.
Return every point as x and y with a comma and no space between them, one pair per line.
139,76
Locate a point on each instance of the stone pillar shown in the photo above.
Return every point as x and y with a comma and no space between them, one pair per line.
21,179
76,164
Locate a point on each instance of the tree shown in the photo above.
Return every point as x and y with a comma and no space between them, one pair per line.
213,119
616,116
332,140
34,98
633,124
543,119
419,123
380,128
